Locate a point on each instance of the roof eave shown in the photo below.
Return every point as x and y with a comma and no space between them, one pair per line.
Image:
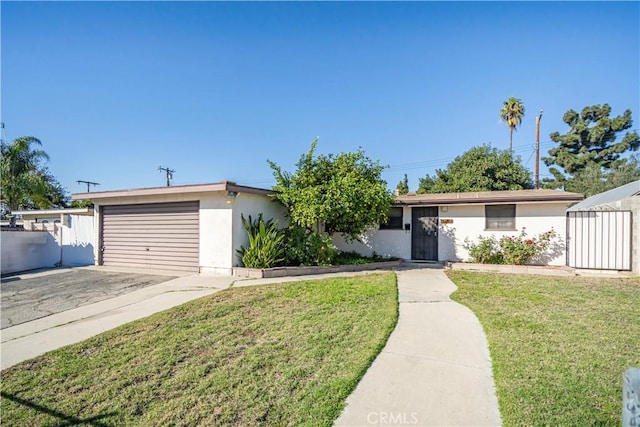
567,199
182,189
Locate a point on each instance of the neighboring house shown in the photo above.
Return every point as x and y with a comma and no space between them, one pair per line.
46,238
188,227
604,230
434,227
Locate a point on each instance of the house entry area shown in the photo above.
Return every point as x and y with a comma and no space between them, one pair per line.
424,233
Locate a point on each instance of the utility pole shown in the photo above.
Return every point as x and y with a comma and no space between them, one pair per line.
537,179
169,174
89,184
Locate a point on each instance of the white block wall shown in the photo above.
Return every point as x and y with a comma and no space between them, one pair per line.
69,243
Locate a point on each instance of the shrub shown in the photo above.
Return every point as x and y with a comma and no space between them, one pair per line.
516,250
305,247
486,251
266,243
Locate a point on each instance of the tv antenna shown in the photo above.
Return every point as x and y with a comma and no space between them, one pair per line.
169,172
89,184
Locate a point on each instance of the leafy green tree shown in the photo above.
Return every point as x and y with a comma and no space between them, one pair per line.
25,181
481,168
511,113
594,180
345,193
591,151
403,186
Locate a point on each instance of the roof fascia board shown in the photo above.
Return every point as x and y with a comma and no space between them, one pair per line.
160,191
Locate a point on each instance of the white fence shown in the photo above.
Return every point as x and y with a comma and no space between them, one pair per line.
49,245
599,240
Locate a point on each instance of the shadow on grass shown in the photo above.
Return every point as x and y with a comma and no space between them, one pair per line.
69,419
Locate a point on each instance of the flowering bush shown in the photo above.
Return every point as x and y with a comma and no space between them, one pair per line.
517,250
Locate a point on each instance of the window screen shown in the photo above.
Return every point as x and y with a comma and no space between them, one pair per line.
500,217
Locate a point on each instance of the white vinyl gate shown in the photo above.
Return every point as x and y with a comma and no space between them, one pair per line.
599,240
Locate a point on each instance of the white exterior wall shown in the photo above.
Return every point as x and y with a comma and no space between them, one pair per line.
389,243
216,237
468,223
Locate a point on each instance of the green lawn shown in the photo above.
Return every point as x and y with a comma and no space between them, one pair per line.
285,354
559,345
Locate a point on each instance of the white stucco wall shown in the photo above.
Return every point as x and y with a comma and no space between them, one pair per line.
216,237
389,243
468,221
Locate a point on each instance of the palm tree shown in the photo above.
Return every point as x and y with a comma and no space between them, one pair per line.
512,113
24,182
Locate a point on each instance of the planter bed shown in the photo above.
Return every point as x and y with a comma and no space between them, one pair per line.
265,273
545,270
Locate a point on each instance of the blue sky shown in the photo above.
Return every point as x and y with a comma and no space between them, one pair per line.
213,90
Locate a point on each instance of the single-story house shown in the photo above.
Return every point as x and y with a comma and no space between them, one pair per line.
185,227
604,231
198,227
434,227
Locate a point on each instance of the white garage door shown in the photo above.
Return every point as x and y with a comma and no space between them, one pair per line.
154,235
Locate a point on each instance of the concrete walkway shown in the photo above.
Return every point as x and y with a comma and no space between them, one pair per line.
435,369
31,339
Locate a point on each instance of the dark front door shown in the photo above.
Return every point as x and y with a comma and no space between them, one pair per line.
424,234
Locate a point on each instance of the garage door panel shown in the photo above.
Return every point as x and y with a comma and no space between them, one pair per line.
133,251
149,231
179,216
145,222
154,261
159,235
155,238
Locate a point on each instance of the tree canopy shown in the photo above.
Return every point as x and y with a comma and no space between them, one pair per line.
481,168
25,181
590,155
343,192
403,186
511,113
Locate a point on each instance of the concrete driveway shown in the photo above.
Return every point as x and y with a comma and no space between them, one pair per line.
32,296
